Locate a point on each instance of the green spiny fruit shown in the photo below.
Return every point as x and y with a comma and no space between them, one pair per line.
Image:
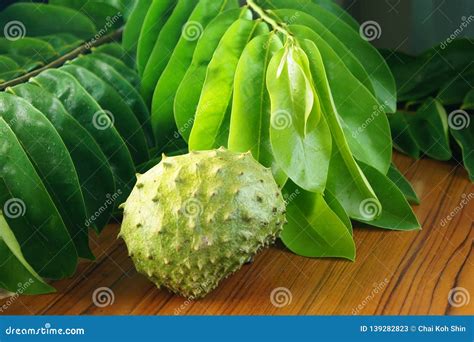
195,219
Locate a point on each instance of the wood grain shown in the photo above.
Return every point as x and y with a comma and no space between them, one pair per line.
395,272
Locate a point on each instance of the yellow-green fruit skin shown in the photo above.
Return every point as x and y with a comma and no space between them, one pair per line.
193,220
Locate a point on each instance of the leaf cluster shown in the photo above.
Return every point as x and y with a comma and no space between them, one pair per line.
71,138
295,83
436,102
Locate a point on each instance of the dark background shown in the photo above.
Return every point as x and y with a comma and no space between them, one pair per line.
414,25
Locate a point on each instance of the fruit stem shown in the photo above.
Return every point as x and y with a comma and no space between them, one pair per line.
263,14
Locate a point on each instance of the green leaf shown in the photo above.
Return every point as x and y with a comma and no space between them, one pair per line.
393,212
174,71
105,16
313,229
7,64
17,275
62,42
345,179
210,129
454,92
359,56
405,69
30,212
53,164
25,64
156,18
363,120
403,184
117,51
302,147
337,11
172,34
169,38
130,75
131,32
92,117
32,48
287,76
425,75
468,102
189,92
90,163
109,100
251,107
129,94
36,19
126,6
9,75
403,139
338,209
9,68
429,127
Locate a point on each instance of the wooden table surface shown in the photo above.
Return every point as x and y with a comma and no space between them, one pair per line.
395,272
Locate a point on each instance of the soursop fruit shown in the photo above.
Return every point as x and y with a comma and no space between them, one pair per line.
195,219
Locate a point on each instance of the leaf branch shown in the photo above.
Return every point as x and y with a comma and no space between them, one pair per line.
84,48
263,14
